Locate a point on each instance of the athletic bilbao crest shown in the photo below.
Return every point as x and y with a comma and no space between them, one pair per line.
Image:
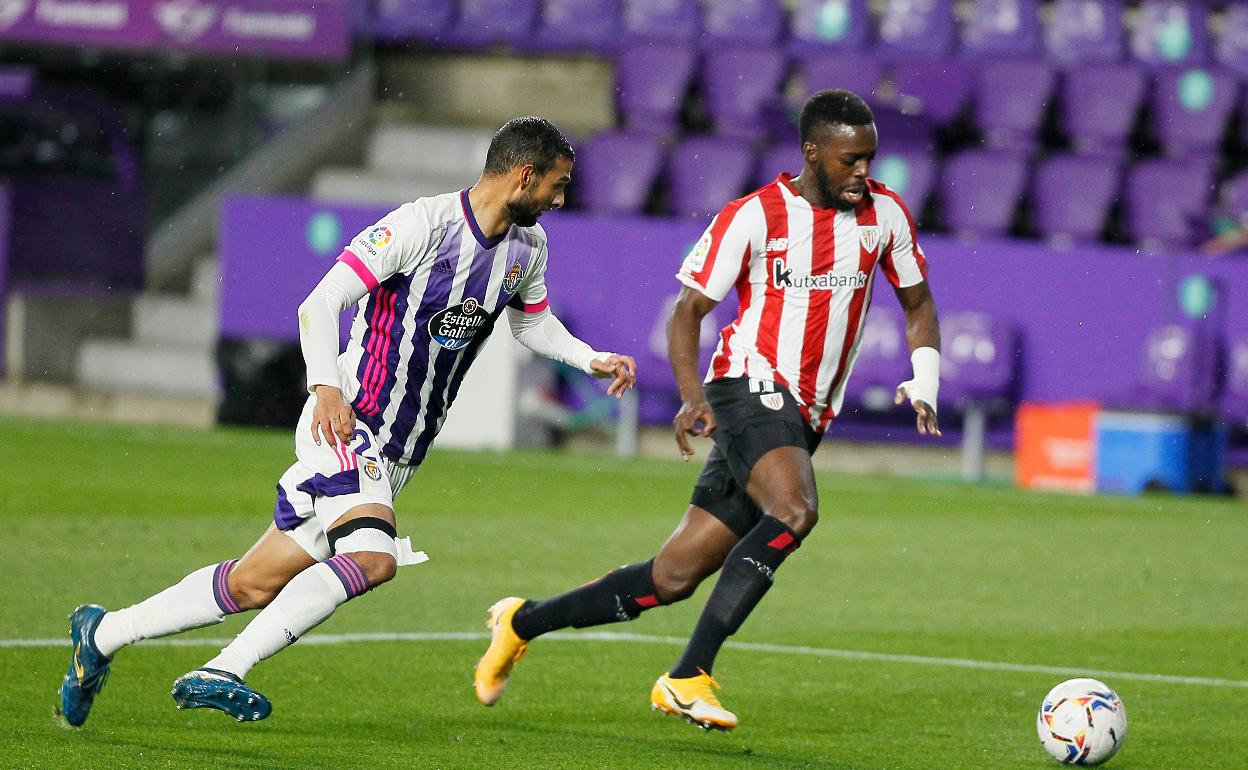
772,401
869,236
454,327
511,281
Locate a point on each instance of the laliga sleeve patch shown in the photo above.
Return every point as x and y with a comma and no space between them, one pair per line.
375,241
697,258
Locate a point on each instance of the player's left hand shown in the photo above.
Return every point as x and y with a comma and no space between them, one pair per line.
926,419
622,368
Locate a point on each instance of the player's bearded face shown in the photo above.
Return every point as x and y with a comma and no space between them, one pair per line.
540,195
845,154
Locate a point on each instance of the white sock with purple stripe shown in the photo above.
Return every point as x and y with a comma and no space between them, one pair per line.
305,602
200,599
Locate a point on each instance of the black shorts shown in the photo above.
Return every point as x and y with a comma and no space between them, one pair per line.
752,417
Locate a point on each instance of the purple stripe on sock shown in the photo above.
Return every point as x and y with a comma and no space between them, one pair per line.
349,573
221,587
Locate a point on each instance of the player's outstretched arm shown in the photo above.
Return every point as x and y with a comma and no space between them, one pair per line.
546,335
923,334
684,332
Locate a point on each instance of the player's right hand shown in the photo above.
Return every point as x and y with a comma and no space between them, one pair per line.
332,416
695,418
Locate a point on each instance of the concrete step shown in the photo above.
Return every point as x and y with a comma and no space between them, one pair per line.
165,369
205,280
363,186
428,150
160,318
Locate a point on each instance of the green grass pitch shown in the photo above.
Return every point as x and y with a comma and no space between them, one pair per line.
896,568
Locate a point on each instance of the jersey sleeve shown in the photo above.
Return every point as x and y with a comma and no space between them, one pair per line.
903,263
531,297
725,249
393,245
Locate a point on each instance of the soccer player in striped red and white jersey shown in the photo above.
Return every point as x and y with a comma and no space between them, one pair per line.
801,254
430,281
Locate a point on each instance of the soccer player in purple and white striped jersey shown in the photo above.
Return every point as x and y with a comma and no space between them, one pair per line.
431,279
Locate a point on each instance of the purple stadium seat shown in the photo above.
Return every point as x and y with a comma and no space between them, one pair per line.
786,156
736,83
1166,202
909,171
651,80
1011,100
852,70
615,171
938,91
896,128
398,21
485,23
579,25
981,190
1001,29
665,20
1230,49
977,360
1234,403
830,25
1084,32
916,29
1171,32
1073,196
1192,106
1100,103
742,22
883,360
706,172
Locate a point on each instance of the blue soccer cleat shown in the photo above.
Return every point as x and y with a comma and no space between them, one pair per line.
88,668
220,690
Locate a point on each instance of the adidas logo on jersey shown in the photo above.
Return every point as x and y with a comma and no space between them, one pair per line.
777,244
443,266
782,277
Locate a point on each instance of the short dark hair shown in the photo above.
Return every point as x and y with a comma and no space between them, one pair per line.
526,140
833,106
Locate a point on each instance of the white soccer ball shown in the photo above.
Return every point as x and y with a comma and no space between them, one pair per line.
1082,722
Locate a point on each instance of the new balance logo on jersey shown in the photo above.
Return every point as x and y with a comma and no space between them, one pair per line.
443,266
782,277
777,244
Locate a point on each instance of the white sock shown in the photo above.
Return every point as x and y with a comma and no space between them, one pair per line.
200,599
306,601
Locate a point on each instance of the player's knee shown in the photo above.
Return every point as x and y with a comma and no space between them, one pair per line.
799,515
251,590
369,542
378,567
676,582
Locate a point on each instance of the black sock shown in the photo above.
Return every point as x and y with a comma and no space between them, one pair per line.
621,594
745,577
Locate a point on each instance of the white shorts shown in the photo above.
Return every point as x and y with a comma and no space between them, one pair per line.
325,482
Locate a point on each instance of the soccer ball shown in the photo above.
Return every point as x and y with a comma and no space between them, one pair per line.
1082,722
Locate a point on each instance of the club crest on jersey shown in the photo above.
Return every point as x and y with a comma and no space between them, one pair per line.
511,281
783,277
869,237
454,327
372,470
774,401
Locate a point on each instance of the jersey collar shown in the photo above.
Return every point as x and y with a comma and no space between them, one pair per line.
486,243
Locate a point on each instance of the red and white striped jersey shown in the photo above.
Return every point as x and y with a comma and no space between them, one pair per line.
803,277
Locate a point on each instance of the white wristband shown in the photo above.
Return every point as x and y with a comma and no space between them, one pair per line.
925,386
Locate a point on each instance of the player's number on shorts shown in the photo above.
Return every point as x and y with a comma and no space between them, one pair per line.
366,445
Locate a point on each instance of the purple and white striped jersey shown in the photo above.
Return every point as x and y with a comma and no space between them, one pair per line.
436,286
